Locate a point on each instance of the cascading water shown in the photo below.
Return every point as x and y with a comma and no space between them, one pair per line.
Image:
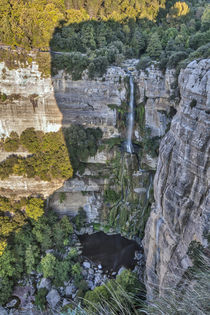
129,146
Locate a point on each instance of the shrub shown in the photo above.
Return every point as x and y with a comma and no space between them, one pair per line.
116,296
111,195
50,157
62,197
193,103
80,219
190,297
30,139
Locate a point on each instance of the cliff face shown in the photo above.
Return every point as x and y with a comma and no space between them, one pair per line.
47,104
181,186
50,103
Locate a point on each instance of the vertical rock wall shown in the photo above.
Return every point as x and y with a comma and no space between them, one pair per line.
181,186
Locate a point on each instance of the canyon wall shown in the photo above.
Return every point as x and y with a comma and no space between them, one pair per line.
181,187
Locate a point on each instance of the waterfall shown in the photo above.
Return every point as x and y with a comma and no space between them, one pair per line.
129,146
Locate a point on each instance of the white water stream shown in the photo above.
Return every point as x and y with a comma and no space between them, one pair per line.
129,146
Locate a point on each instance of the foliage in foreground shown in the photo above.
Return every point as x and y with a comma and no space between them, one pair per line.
191,296
25,253
124,295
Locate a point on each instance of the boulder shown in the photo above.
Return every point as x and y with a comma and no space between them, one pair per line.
86,264
53,298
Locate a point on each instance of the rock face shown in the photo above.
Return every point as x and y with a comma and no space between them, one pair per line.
18,186
156,91
50,103
181,186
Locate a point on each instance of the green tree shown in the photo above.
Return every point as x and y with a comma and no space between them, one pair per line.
154,47
32,255
34,208
48,264
138,43
88,36
43,233
205,19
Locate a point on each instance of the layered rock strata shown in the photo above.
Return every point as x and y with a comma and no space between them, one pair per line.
47,104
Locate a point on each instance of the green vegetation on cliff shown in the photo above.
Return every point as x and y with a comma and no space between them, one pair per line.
49,159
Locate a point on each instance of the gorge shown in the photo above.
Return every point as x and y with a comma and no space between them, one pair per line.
181,184
104,157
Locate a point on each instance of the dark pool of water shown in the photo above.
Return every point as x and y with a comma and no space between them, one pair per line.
111,251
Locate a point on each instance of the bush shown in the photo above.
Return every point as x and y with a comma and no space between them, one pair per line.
48,264
80,219
111,195
50,157
190,297
30,139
